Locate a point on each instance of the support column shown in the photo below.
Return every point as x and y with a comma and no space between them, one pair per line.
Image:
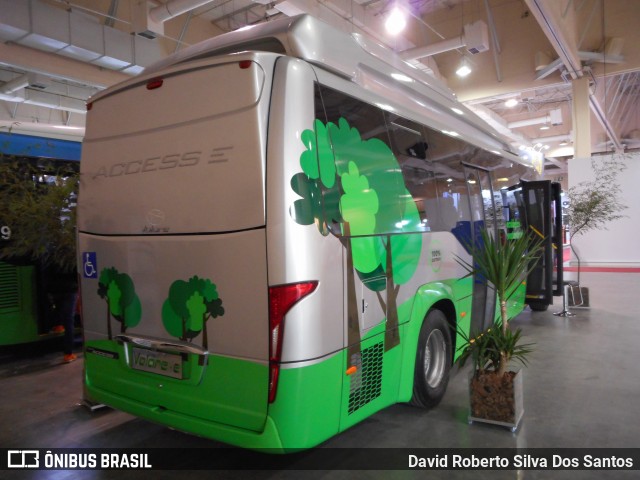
581,113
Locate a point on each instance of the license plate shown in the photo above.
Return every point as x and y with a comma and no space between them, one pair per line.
166,364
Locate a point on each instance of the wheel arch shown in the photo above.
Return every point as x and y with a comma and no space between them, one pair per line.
432,296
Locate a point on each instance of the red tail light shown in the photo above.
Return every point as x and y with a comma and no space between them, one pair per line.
244,64
281,299
154,83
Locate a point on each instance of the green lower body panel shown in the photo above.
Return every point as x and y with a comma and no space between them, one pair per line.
225,399
221,390
305,413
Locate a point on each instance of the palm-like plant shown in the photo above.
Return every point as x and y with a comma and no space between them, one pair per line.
504,265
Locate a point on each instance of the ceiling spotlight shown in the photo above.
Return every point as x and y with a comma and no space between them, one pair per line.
512,102
464,69
396,21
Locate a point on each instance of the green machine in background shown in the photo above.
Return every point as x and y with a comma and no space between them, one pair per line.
18,305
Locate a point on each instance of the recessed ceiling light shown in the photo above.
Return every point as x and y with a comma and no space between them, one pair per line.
464,69
396,21
457,110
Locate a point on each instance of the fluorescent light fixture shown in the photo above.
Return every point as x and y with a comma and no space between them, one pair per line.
457,110
402,78
503,179
545,127
449,180
396,21
464,69
451,133
563,144
512,102
472,182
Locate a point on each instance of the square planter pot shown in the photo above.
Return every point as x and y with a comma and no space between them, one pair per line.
495,401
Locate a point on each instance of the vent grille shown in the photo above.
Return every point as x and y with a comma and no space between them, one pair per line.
366,383
9,287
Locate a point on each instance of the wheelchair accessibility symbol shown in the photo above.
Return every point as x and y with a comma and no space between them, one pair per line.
89,265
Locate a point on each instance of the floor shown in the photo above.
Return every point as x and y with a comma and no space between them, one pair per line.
581,390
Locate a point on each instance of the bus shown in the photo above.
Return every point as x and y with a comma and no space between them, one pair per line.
268,226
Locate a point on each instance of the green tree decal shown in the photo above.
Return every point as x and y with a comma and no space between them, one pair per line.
188,307
354,188
118,290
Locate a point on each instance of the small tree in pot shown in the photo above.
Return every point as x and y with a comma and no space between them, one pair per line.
504,265
594,203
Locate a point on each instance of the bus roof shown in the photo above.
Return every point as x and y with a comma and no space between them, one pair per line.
352,56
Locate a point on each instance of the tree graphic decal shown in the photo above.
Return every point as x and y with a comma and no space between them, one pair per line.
122,301
354,188
188,307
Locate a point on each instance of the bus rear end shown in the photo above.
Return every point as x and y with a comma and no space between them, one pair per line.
172,247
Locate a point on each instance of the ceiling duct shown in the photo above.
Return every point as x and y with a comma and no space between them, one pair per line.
32,80
554,117
75,35
475,38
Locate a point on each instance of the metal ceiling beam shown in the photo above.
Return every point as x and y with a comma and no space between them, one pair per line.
571,61
173,8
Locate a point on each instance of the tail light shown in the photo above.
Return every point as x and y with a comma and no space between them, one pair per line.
154,83
281,299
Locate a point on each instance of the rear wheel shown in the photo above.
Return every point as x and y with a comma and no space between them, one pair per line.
538,307
433,361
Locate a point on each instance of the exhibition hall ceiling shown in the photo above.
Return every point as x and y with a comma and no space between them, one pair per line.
55,54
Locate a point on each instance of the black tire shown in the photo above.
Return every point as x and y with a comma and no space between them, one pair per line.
538,307
433,361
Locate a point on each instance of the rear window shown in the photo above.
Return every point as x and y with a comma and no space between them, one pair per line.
186,156
185,96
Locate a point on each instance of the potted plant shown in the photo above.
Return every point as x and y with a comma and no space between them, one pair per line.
496,392
593,204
